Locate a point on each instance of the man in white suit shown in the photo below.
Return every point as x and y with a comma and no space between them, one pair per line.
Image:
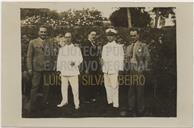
112,60
69,59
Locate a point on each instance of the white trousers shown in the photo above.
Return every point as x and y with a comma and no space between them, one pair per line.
112,89
73,80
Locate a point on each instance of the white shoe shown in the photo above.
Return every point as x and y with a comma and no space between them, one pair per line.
62,104
115,106
77,107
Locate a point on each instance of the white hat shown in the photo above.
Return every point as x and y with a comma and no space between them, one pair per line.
111,31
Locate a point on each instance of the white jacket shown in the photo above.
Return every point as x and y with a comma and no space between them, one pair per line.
69,54
113,58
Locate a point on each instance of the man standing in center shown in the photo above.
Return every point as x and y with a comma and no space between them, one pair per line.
112,60
69,59
91,66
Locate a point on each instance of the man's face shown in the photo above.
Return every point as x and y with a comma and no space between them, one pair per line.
92,36
43,33
134,36
68,38
110,38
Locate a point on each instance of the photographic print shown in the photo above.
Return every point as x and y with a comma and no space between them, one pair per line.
98,62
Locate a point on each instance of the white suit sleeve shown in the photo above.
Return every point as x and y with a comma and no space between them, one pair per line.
78,58
121,58
59,60
103,53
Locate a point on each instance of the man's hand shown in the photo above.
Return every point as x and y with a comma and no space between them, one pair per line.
72,63
59,73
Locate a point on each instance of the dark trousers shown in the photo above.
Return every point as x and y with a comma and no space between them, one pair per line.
26,84
39,91
136,94
91,85
136,98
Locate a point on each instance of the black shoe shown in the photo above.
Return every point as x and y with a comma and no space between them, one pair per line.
132,113
140,113
115,110
112,111
123,113
110,105
87,101
76,112
93,100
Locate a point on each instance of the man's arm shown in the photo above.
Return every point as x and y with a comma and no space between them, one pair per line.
147,56
55,49
79,57
103,55
30,56
121,58
59,60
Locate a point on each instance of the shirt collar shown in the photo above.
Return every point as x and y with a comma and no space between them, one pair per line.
41,39
113,42
70,45
92,42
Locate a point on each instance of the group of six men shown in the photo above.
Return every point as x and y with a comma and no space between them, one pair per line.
113,58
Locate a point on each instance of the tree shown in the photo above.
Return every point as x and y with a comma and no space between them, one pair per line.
129,18
84,17
119,18
122,17
29,12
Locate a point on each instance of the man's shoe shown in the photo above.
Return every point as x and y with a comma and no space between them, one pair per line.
87,101
132,113
123,113
77,108
62,104
140,113
115,110
110,105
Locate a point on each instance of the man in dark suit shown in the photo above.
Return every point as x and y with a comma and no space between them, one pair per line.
138,57
41,59
91,67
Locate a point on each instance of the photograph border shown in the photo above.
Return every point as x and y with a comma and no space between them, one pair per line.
11,70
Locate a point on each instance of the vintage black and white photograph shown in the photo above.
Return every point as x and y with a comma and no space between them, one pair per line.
98,62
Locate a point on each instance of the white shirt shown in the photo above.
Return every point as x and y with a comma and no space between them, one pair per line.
113,58
69,54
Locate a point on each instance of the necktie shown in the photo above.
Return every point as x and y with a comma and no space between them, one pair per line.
133,50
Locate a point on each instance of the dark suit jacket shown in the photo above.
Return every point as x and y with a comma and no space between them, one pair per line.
41,55
91,57
142,55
